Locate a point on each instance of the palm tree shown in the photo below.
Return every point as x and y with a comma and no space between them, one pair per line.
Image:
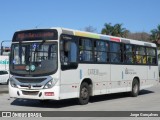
115,30
108,29
155,34
119,31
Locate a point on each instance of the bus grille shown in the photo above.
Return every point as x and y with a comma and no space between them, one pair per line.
36,86
30,92
30,80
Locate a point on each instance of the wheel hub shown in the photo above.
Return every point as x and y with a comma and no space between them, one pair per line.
84,93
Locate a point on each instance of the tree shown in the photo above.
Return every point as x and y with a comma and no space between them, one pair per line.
90,29
115,30
108,29
155,34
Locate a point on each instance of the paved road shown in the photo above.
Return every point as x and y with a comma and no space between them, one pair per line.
148,100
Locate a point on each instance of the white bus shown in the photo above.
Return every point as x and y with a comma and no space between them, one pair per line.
59,63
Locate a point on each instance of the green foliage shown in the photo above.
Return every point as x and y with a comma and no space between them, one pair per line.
155,34
114,30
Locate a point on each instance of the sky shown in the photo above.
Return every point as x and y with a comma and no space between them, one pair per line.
135,15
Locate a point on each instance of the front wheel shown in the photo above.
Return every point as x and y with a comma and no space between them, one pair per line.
84,94
135,88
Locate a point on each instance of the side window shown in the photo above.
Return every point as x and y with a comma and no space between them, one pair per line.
3,72
115,52
85,50
129,54
100,51
68,51
151,55
141,55
73,52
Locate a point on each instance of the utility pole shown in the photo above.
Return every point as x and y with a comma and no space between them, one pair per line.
2,45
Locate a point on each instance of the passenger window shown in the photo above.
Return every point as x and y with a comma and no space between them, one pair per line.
85,50
73,52
129,54
151,55
141,55
115,53
101,49
69,51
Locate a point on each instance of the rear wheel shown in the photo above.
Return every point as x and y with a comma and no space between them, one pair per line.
135,88
84,94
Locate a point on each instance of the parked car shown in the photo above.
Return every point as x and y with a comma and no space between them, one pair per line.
4,76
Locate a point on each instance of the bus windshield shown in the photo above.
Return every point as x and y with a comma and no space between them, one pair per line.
35,59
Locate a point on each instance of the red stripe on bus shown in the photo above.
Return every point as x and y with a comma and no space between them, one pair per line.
115,39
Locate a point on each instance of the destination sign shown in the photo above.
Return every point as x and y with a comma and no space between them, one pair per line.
31,35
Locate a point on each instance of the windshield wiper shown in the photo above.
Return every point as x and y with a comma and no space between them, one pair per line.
43,41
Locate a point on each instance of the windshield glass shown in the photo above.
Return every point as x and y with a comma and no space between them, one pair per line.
38,58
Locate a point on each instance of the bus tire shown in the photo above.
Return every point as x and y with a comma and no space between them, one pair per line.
84,94
135,88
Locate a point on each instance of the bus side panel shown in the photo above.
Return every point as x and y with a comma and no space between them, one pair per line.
69,84
142,74
101,79
119,80
153,76
99,74
123,75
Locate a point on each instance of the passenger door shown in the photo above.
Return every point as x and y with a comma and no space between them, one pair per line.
69,65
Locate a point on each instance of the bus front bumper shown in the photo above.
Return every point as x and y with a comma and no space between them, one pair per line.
43,94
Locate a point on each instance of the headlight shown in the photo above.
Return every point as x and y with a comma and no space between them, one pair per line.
13,83
50,84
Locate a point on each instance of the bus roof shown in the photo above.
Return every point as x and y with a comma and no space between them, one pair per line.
106,37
